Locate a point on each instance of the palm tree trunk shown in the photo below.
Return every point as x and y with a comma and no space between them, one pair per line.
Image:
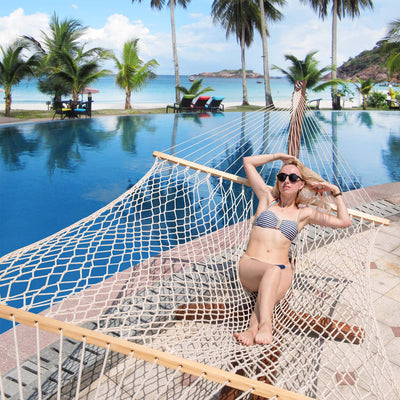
267,82
335,97
175,52
8,104
128,105
245,101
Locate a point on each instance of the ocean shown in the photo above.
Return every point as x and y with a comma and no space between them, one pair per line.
160,92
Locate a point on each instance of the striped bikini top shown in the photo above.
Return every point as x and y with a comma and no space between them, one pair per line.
267,219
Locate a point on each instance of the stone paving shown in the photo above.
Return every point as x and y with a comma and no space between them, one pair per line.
7,120
385,287
385,277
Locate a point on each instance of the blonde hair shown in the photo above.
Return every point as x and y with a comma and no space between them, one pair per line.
307,195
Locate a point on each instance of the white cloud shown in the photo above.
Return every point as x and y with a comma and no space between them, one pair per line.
202,45
118,29
74,6
17,24
353,36
357,37
195,16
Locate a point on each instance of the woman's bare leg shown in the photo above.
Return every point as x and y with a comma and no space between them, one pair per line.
271,283
266,300
247,337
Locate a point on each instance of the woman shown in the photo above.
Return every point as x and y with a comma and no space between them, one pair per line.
265,267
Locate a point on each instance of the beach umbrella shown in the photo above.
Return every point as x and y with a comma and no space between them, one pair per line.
88,90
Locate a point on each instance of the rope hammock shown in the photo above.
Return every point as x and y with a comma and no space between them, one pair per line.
157,268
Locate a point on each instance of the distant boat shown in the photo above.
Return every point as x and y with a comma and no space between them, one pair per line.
191,78
259,81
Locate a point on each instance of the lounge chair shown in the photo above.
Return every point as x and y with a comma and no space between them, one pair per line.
84,108
184,105
316,101
215,104
63,109
200,104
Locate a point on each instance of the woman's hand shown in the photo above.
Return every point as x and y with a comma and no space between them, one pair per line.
325,186
285,157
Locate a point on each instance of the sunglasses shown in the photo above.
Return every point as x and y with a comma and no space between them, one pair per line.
292,177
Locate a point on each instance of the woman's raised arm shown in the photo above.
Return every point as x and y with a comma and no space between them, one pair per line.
255,180
341,219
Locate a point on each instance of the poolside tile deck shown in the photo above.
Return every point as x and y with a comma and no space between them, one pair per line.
385,278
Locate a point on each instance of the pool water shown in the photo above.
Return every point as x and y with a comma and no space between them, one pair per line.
54,173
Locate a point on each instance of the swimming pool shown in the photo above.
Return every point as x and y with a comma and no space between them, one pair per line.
55,173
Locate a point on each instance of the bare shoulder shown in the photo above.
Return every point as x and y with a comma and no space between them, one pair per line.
305,211
264,198
306,214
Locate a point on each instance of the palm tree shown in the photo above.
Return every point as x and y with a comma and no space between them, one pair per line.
196,88
14,67
63,36
239,17
364,87
267,8
307,70
160,4
81,70
340,8
132,74
393,38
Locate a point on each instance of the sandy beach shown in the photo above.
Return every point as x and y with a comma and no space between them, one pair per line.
325,104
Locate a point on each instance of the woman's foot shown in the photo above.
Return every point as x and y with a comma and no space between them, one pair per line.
246,337
264,334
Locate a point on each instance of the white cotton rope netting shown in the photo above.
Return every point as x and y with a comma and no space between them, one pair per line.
158,266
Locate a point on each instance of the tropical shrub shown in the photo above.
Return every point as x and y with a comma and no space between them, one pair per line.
377,100
364,88
196,89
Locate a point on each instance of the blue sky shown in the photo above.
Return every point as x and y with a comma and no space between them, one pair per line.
202,46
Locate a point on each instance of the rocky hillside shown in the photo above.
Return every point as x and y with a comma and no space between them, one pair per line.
368,64
230,73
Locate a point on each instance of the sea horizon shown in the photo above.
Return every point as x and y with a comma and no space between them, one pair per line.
160,92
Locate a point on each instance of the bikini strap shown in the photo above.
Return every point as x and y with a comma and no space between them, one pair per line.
298,216
272,203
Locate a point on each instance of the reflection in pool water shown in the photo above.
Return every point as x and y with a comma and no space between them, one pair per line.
55,173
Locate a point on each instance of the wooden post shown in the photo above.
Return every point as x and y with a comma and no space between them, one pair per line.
298,104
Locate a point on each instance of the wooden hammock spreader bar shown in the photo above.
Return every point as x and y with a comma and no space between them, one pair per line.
366,217
242,181
148,354
202,168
